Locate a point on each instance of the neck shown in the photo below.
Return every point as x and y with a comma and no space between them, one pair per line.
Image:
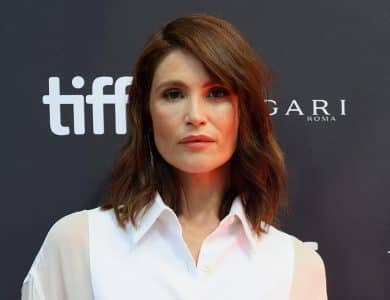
202,195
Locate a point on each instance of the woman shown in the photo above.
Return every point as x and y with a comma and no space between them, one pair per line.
194,194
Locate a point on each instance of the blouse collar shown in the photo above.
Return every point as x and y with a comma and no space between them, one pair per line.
158,206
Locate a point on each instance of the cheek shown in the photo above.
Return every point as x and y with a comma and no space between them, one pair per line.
164,125
227,120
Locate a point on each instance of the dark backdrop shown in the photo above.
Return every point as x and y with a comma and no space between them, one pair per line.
338,159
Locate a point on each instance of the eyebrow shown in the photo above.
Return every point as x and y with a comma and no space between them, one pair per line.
182,84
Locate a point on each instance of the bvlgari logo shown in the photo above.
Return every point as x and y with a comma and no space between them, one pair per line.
321,110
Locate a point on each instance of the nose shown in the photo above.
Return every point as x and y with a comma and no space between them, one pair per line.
195,113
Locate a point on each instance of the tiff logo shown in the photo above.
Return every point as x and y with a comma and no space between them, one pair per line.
97,99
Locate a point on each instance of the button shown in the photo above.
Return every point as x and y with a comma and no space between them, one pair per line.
205,268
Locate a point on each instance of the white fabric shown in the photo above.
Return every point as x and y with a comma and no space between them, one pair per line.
60,270
86,255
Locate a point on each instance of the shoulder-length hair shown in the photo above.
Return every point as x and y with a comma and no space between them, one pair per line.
258,169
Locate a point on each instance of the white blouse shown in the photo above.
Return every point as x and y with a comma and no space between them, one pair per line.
86,255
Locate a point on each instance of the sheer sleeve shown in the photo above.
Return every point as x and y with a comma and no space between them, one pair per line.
309,279
60,270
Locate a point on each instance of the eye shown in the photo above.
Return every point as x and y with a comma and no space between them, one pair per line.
171,94
219,92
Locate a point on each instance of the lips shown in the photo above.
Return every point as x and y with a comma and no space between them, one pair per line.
196,138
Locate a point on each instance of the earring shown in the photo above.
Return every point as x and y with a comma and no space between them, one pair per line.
150,148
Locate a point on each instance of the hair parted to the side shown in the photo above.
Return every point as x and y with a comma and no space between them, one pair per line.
259,176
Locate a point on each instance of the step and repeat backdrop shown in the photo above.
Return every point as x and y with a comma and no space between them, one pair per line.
65,69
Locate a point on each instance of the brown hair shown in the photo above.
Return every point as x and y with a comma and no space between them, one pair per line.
259,175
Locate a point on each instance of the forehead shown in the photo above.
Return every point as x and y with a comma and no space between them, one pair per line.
180,65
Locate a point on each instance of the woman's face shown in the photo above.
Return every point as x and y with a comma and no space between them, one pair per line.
183,101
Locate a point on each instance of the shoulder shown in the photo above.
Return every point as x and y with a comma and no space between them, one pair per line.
69,230
65,237
307,260
60,270
309,279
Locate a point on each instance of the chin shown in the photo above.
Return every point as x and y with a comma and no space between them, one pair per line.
195,168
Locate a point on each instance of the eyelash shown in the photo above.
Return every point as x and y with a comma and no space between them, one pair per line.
168,92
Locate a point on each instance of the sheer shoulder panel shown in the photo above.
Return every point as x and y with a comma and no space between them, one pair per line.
309,279
61,268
